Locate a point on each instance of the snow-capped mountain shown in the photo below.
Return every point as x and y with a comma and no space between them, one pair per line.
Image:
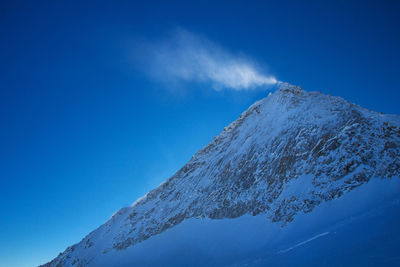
282,161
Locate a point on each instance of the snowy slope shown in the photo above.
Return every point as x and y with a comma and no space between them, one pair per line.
344,231
281,159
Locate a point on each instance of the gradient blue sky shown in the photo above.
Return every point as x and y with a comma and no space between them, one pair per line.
86,129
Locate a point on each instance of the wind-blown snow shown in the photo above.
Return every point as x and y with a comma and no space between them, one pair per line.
188,57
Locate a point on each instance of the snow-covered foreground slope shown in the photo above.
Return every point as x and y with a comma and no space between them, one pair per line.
359,229
291,172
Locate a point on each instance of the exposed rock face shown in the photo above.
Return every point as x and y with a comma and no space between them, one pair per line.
286,154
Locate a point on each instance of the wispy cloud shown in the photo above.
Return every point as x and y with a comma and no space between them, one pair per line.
184,56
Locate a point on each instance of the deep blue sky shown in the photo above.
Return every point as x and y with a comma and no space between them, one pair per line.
84,132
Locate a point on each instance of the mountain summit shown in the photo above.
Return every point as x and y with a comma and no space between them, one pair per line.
282,158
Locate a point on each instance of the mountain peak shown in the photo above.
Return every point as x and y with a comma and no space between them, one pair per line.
285,86
285,155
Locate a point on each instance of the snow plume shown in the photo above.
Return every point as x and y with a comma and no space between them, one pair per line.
184,56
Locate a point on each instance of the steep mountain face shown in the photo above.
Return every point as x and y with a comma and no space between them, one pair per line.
284,156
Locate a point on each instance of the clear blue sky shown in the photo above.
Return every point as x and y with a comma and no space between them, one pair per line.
85,130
